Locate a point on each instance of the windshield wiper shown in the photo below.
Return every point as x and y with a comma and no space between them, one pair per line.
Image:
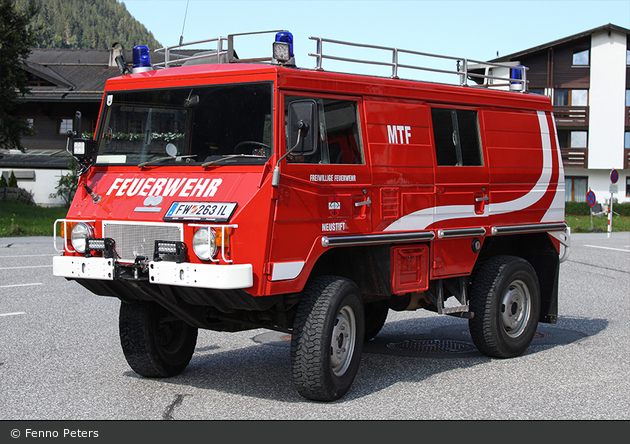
143,164
231,156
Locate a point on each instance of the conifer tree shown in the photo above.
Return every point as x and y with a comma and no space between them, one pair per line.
12,180
86,24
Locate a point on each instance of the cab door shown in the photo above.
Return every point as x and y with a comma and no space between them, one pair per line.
327,191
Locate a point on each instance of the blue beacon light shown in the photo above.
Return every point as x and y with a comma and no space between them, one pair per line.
286,37
141,59
517,74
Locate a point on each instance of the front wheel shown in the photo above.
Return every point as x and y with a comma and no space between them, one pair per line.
156,343
505,300
327,338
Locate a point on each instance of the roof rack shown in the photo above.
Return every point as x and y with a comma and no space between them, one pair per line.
221,55
482,73
510,75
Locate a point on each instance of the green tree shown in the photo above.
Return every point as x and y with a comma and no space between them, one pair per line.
15,43
67,185
13,180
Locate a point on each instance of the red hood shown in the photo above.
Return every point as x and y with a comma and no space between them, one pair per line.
147,195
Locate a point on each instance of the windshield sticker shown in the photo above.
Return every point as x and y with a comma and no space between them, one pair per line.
191,187
204,211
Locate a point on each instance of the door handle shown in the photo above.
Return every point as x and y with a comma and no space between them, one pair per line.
367,202
482,199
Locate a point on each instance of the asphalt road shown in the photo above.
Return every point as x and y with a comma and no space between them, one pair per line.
60,357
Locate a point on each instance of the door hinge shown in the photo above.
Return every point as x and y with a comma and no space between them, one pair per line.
267,268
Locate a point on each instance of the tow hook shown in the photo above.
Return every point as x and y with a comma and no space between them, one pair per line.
140,266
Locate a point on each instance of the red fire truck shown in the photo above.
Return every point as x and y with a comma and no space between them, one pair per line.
230,194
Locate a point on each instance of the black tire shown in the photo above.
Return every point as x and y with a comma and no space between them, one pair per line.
375,317
505,300
327,338
155,342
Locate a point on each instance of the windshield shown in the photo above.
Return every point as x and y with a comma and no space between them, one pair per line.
194,126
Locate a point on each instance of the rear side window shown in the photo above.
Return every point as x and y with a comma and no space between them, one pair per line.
456,135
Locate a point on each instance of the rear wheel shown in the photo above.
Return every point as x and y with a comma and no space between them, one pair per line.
505,299
155,342
327,338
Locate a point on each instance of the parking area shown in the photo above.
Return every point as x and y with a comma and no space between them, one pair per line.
60,357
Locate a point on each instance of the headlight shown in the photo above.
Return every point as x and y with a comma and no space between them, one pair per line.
204,243
81,232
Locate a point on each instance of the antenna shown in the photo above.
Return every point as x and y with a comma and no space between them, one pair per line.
181,38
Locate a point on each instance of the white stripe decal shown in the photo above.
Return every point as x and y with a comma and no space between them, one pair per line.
556,210
421,219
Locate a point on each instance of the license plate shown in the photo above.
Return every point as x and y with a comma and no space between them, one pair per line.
204,211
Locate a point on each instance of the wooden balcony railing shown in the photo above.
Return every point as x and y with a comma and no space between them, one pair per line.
574,157
571,115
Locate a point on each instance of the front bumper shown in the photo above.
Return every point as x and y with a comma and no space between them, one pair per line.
212,276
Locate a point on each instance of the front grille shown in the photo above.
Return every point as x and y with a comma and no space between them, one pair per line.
138,239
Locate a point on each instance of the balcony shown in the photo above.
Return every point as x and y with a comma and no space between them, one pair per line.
575,157
626,159
572,116
627,119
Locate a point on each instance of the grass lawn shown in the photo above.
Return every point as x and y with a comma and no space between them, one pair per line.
582,224
20,219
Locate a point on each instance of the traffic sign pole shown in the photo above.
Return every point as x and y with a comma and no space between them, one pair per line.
590,198
614,177
610,213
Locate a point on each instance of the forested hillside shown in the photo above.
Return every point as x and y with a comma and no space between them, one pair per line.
86,24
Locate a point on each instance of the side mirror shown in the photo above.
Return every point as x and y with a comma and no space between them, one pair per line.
76,125
122,65
304,116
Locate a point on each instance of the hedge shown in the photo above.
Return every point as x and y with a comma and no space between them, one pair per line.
577,208
622,209
583,209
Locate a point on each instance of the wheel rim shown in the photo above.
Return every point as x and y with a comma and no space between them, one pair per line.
170,335
343,341
516,308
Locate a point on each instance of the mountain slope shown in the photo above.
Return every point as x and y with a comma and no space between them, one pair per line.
86,24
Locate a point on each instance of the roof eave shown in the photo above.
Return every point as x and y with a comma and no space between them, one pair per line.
608,27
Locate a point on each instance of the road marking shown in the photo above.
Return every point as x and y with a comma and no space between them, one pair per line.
607,248
13,314
21,285
30,266
29,255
